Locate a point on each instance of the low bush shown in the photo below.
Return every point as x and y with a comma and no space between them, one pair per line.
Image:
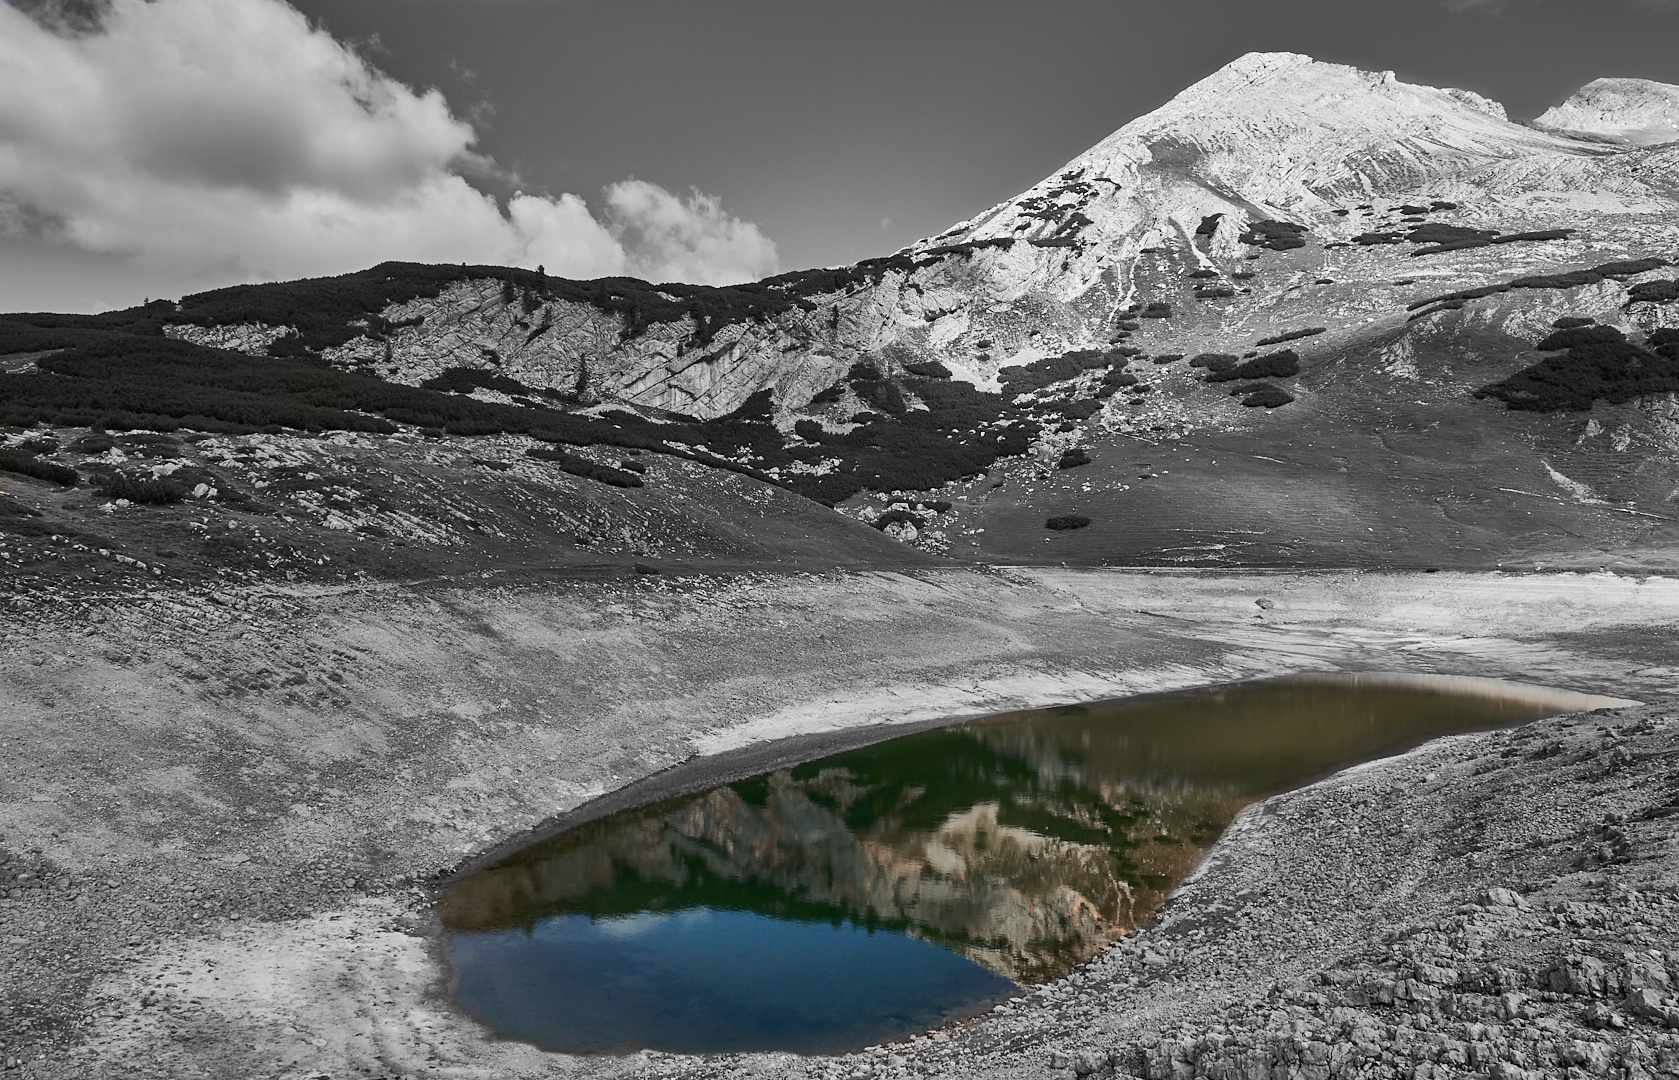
1204,273
1542,234
1654,292
1435,232
24,463
930,369
1213,361
832,393
1292,335
1266,396
1277,365
152,491
1442,204
1063,522
1371,239
1579,335
1410,209
1217,292
1167,358
583,467
899,517
1572,322
1159,309
1615,371
630,465
1209,225
1073,458
1275,235
808,430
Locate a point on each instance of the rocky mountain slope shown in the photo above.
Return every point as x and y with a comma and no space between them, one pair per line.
1456,338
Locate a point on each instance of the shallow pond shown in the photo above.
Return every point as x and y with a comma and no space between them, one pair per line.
888,889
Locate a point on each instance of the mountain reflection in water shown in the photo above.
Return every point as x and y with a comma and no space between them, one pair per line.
1024,842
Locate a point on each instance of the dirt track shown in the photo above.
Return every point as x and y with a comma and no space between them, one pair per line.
228,799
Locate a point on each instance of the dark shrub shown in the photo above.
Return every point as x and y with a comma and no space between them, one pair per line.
1217,292
1204,273
1543,234
24,463
1435,232
460,380
1209,225
930,369
1275,235
1167,358
1292,335
1063,522
808,430
629,465
1372,238
1117,377
1213,361
1608,370
1457,298
1278,365
1073,458
1629,267
1666,336
899,517
585,468
833,393
1267,396
1654,292
1410,209
936,506
1579,335
142,489
1441,204
1158,310
863,369
1572,322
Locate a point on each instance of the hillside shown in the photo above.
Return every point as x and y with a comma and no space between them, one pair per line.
1294,317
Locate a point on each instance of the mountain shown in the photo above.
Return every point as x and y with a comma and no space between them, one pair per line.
1292,317
1635,111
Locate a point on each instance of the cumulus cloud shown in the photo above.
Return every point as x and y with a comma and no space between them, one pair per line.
231,138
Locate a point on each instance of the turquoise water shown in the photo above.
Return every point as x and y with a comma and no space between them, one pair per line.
887,890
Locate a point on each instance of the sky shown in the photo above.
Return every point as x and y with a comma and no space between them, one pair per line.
150,148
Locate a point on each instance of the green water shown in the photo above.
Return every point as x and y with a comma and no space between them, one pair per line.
884,890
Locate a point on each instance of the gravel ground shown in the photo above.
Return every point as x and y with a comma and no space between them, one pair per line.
222,809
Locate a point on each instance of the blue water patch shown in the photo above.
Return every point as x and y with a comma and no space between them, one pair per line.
709,981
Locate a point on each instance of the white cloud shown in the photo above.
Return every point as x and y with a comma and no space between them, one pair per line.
670,238
228,138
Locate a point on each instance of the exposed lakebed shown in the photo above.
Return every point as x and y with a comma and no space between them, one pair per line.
888,889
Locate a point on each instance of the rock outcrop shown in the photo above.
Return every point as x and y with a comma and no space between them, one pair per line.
1636,111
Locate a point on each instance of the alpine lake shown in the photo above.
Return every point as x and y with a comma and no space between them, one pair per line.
894,888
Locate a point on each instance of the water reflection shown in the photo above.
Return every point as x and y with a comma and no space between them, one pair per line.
1023,843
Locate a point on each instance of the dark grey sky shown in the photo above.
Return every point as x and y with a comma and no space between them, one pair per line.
848,129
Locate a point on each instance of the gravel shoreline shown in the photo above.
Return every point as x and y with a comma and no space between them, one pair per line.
222,808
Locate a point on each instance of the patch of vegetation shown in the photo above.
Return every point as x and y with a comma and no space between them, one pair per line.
1292,335
462,380
1542,234
929,369
1024,378
1266,396
583,467
1214,361
1073,458
1572,279
1654,292
1063,522
1604,367
25,463
808,430
1209,225
1370,239
1158,309
1216,292
1168,358
1572,322
899,517
1277,365
1204,273
1589,334
1275,235
147,490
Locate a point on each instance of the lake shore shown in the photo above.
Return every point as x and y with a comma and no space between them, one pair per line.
233,802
